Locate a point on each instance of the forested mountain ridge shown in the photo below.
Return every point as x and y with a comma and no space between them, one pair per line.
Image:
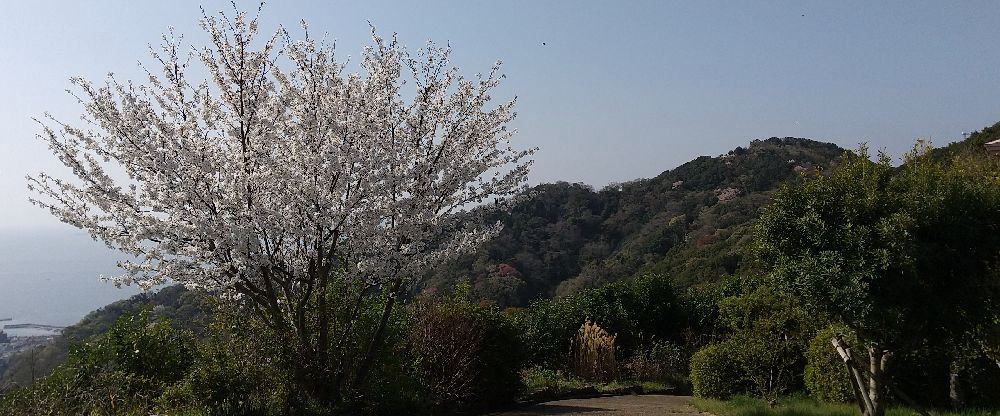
690,222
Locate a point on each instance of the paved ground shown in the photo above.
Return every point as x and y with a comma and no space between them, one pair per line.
613,406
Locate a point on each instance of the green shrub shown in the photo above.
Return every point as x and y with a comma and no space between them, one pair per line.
245,367
635,310
151,350
763,364
763,353
122,372
467,356
982,382
394,387
660,362
825,374
714,374
229,379
769,363
239,367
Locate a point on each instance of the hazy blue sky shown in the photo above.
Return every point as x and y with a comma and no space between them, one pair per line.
620,90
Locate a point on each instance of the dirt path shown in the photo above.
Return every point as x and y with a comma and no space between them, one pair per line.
613,406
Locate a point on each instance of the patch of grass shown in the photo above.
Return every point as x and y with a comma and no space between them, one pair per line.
804,406
792,406
646,386
537,379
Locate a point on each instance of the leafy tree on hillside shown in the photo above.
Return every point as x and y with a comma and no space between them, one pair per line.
900,256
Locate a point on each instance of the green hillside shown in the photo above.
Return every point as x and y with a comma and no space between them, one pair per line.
182,307
972,144
689,222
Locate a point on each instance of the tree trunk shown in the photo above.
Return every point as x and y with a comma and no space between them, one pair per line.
31,362
869,385
376,341
955,391
854,376
877,358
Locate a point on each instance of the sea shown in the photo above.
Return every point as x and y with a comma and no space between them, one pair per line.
51,277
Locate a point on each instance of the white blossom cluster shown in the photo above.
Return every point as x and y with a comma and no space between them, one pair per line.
281,168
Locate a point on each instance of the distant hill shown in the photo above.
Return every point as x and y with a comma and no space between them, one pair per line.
690,223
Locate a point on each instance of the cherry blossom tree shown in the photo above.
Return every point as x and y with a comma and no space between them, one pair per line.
282,172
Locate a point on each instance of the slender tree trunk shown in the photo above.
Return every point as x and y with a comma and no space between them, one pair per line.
955,390
854,376
31,361
326,390
877,359
870,385
376,341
